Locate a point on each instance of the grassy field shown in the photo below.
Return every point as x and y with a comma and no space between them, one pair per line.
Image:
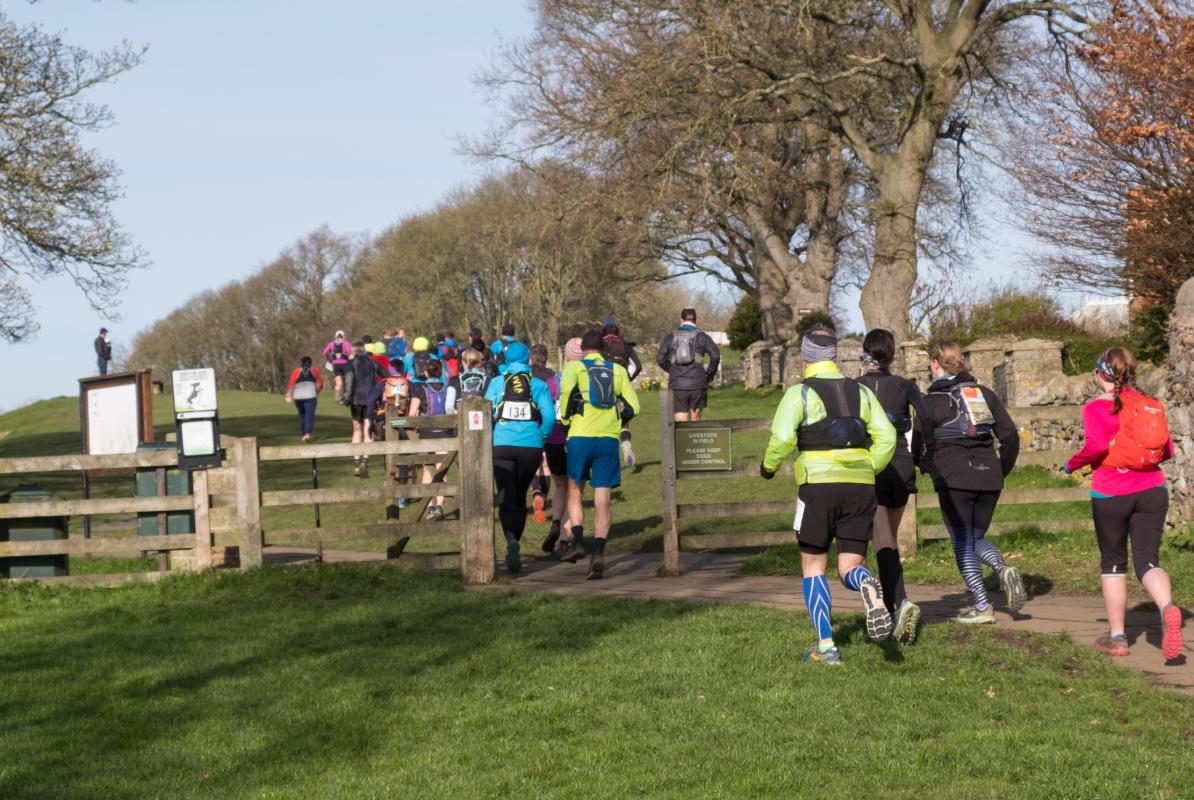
359,681
1059,562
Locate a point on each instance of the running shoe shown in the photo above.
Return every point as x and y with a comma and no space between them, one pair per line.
972,616
1171,628
596,567
907,622
364,471
816,655
435,512
574,553
549,543
878,619
403,502
561,549
356,468
513,557
538,504
628,454
1013,588
1110,645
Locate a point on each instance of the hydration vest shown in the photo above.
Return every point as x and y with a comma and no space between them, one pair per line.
843,427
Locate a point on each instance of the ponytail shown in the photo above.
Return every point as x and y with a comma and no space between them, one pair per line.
1117,365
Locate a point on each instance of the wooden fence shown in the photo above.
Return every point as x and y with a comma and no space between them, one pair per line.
910,533
226,503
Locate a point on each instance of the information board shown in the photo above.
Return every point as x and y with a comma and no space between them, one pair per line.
706,449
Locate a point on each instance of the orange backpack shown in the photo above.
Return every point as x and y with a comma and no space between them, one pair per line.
1143,434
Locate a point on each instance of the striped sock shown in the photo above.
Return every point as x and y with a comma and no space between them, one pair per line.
818,601
853,579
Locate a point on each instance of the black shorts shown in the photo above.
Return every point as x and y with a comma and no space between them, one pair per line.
897,482
360,413
685,400
841,511
1139,516
341,369
557,458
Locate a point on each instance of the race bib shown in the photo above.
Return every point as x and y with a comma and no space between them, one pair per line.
516,412
799,515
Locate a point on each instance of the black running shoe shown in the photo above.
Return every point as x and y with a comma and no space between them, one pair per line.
574,553
549,544
596,567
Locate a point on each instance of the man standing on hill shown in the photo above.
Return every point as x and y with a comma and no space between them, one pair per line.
589,394
842,438
682,356
103,351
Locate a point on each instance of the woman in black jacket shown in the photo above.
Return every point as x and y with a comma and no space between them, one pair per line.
897,482
964,421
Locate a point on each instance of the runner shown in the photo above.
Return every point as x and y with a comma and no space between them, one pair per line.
303,390
542,483
418,358
1126,441
682,356
396,347
473,379
620,351
433,396
362,375
524,416
498,348
841,438
589,391
555,456
966,420
395,399
897,482
336,356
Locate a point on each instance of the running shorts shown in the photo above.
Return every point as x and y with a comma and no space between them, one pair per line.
595,460
557,458
897,482
841,511
1140,517
685,400
360,413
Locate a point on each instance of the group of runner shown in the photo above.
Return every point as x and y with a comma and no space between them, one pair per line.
857,447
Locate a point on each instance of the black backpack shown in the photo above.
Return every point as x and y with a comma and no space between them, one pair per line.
501,356
963,425
419,364
616,350
843,427
517,403
684,347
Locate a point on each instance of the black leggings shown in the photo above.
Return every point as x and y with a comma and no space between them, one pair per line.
1139,516
513,470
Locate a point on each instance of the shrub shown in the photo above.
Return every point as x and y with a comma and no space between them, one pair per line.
1006,311
745,326
1148,337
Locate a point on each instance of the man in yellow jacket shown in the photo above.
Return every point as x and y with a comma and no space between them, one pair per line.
589,391
842,438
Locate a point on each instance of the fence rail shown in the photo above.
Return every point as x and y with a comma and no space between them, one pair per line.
910,532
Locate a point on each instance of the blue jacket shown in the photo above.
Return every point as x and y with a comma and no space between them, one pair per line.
396,348
496,346
514,433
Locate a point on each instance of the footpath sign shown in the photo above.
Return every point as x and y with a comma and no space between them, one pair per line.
703,449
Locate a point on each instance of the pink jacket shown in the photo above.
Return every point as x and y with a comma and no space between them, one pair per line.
1101,425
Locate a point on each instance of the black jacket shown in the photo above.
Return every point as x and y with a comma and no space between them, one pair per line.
967,464
103,349
687,377
898,396
365,372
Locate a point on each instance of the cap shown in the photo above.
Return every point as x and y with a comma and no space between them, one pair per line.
339,334
421,344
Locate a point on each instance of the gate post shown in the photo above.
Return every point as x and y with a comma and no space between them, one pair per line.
474,427
667,458
248,502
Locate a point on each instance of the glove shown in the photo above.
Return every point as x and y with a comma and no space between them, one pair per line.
765,473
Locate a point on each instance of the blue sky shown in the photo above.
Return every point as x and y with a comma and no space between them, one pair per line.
251,123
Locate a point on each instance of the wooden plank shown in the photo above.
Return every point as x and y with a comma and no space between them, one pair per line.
381,530
476,492
98,546
154,458
302,497
1019,497
113,505
96,581
202,519
749,469
667,459
723,541
224,520
421,561
248,503
346,450
930,532
708,510
735,425
442,422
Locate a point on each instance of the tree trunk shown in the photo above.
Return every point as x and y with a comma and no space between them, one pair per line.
774,311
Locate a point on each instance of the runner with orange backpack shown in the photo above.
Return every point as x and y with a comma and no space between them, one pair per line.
1126,441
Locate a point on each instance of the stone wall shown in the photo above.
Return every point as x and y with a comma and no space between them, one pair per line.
1180,385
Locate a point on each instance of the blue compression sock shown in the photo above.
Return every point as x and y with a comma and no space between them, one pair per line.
853,579
818,601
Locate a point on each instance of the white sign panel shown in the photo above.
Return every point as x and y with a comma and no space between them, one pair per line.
194,392
198,437
112,425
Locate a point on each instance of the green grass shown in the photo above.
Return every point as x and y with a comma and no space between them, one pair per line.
361,681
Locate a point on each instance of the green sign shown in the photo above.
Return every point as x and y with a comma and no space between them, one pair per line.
703,449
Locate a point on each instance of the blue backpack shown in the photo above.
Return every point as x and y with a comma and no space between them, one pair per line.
437,399
601,384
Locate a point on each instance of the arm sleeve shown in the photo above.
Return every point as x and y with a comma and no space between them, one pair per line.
1098,426
783,430
567,384
921,437
636,366
547,409
714,356
376,393
318,379
664,357
327,351
882,432
626,390
293,377
493,393
1005,432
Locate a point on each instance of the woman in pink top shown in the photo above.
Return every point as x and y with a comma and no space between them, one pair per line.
1127,504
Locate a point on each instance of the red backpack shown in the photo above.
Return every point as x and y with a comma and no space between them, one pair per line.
1143,434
